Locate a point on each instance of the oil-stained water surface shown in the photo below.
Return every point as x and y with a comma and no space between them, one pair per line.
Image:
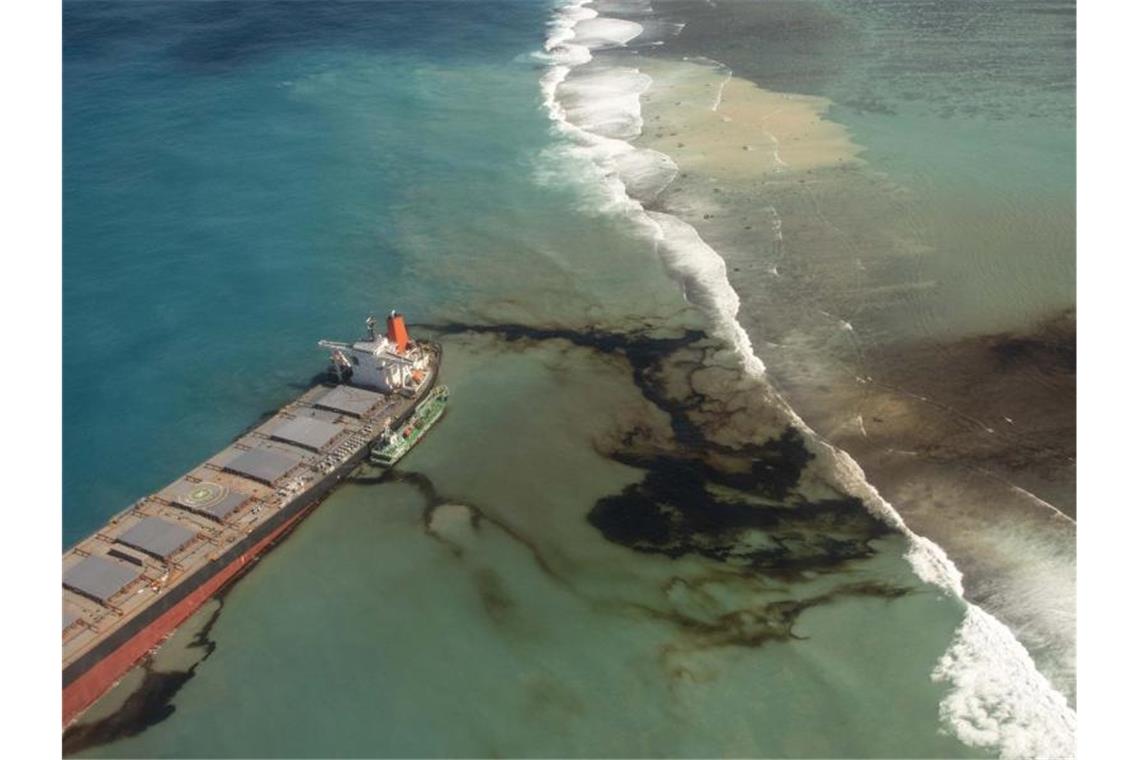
469,604
618,541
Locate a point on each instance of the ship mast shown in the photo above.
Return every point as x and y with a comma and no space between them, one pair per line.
386,361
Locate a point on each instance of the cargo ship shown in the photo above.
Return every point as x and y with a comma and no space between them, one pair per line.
128,586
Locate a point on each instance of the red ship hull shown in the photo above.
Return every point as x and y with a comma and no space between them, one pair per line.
87,688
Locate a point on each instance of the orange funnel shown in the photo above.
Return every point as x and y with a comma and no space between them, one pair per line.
397,331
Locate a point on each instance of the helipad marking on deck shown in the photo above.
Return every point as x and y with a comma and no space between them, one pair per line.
206,495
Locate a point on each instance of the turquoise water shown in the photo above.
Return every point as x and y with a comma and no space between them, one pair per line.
612,544
242,181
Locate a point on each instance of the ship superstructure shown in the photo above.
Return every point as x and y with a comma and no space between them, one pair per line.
389,363
126,587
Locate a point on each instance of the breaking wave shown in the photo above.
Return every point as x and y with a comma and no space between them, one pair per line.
599,110
996,699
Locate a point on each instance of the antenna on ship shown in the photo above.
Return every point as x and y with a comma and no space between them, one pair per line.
371,324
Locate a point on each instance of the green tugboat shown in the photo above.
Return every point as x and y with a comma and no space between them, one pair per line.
392,447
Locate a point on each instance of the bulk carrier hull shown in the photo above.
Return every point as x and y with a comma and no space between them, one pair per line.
110,662
96,667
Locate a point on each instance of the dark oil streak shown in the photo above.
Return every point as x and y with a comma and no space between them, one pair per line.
434,499
672,511
153,701
750,628
150,703
774,621
684,505
644,354
496,602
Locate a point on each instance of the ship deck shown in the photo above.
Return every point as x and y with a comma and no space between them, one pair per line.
151,548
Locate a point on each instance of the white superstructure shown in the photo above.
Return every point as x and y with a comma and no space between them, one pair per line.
388,363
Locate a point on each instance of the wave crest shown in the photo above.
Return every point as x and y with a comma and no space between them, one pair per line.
997,698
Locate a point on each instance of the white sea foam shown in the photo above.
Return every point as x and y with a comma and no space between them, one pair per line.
605,102
997,698
645,173
600,111
598,32
1030,720
560,47
704,279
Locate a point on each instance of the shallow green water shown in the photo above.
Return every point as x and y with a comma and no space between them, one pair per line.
243,179
528,634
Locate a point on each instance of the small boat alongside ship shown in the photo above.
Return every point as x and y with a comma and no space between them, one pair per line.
128,586
394,444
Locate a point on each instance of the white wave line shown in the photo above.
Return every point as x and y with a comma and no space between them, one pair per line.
927,400
1042,503
1034,498
997,698
772,138
777,227
720,90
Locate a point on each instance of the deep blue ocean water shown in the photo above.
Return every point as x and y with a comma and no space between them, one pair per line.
244,178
